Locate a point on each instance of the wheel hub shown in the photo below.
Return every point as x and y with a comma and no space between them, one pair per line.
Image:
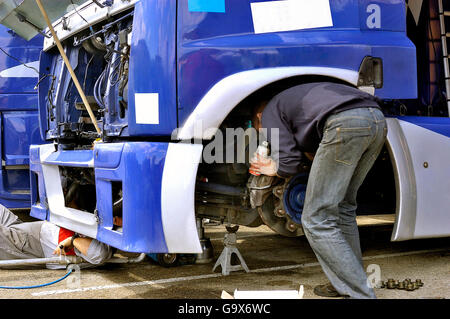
294,197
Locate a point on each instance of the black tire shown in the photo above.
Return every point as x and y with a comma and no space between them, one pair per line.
168,260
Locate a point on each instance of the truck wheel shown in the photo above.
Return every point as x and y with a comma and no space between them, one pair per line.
167,260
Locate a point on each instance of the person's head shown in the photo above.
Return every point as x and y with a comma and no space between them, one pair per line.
257,114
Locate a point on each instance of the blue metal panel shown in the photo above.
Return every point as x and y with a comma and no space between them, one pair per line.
110,156
142,222
39,204
20,129
399,68
18,113
43,89
18,102
212,46
152,64
142,225
389,13
440,125
24,51
12,186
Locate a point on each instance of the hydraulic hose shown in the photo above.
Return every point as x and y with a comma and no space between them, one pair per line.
41,285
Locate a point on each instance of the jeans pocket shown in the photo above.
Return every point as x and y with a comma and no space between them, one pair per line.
351,143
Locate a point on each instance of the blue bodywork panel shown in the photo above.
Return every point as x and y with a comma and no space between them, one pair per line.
125,163
142,225
440,125
18,115
212,46
153,56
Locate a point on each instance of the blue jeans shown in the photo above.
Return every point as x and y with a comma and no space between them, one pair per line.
352,140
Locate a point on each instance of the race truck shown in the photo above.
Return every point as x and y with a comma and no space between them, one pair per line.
166,80
19,73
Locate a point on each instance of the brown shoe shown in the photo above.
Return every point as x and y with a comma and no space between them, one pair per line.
326,291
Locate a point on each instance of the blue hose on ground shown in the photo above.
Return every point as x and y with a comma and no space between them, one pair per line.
42,285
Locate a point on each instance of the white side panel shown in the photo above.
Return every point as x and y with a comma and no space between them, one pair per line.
226,95
405,182
288,15
75,220
21,71
178,198
147,108
430,154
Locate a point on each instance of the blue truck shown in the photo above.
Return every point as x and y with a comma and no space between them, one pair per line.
19,67
166,78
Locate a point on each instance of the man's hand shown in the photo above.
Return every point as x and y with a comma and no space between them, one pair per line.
264,166
310,156
66,244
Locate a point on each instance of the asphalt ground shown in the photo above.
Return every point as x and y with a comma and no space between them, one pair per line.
275,262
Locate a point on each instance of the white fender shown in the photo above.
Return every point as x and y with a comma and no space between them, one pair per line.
225,95
420,160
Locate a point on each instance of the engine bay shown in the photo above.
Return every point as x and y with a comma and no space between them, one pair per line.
100,59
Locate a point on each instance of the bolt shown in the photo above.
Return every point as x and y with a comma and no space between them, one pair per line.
291,226
410,287
391,285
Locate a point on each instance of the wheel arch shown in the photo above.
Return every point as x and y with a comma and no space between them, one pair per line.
231,91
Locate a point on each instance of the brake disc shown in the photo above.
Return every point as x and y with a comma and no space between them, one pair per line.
282,212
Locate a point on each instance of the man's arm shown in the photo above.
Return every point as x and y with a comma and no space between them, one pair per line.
90,249
284,148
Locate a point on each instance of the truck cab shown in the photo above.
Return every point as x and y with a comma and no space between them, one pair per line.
166,79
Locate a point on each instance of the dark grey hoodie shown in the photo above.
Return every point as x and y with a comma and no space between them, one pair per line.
300,113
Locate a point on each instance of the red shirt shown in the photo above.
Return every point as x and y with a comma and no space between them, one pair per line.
64,234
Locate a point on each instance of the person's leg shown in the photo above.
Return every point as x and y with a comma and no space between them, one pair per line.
347,135
347,208
21,241
7,218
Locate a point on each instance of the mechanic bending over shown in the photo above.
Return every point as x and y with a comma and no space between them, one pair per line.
346,130
42,239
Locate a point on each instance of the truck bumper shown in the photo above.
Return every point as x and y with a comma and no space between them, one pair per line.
158,185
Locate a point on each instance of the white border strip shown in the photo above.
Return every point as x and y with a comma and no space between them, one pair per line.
22,71
190,278
177,198
75,220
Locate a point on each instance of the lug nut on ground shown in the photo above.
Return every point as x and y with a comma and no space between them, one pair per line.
406,284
